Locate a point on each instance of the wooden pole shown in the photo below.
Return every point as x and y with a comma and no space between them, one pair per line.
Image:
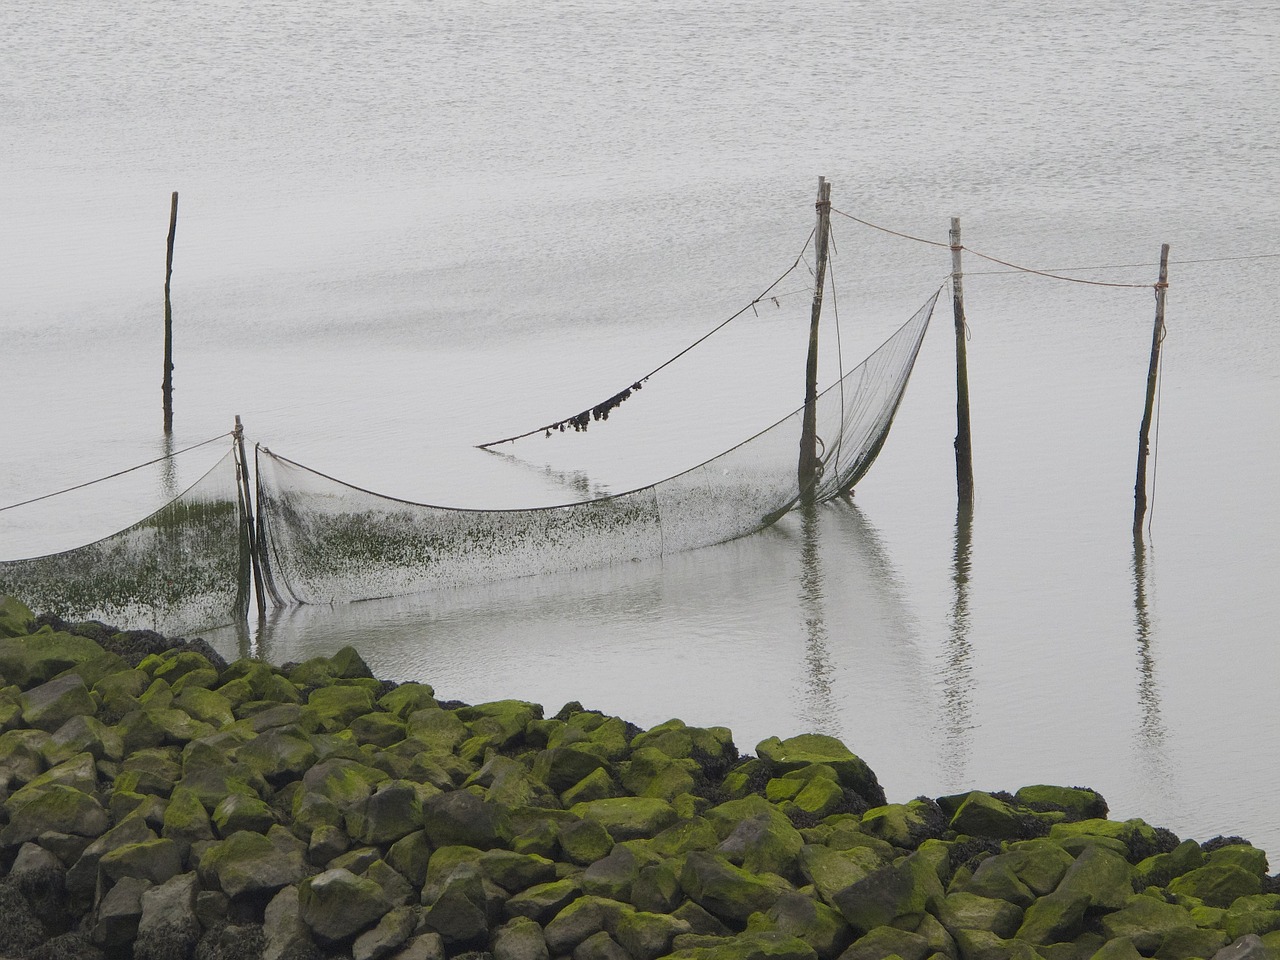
250,528
807,472
166,386
963,443
1144,432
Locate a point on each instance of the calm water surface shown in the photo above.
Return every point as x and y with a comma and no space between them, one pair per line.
408,228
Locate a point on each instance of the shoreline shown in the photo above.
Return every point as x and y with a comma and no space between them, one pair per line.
160,802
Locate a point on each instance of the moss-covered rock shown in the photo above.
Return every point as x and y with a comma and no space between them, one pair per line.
16,619
543,901
766,843
905,825
796,915
336,905
629,818
982,815
461,817
1146,921
239,811
250,863
906,886
1101,875
968,911
1078,803
727,891
1217,885
54,809
782,756
831,871
35,659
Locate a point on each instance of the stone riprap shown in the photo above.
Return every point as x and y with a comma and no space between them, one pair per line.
159,803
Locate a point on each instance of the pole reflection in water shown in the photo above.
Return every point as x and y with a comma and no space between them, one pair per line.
957,671
819,709
1150,741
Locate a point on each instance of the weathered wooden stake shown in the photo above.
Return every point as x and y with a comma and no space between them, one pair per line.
250,527
807,473
166,386
1144,432
963,443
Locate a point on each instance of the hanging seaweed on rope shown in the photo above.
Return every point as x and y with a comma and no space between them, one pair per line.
580,421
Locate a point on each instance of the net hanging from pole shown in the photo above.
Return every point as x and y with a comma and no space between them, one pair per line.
325,541
183,568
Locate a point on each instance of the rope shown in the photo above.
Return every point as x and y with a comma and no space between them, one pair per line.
985,256
876,226
835,312
118,473
601,410
1055,276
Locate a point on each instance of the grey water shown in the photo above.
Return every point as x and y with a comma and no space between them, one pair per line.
407,228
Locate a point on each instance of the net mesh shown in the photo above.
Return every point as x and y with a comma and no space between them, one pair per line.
183,568
325,541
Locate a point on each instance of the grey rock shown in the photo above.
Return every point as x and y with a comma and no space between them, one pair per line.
116,923
1248,947
425,946
600,946
336,905
286,936
520,939
50,705
392,932
168,928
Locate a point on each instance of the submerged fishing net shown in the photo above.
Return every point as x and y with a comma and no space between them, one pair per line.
184,568
325,541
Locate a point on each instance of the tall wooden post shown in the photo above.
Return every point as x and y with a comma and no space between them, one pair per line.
963,443
166,386
1144,432
807,473
250,527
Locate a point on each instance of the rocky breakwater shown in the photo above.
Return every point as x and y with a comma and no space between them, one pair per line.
161,804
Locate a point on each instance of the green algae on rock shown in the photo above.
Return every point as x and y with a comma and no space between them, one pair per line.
161,800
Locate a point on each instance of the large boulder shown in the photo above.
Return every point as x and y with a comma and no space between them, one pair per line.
463,909
764,844
287,936
54,809
906,886
168,928
629,818
250,863
51,704
783,756
460,817
337,905
116,918
726,891
520,939
38,658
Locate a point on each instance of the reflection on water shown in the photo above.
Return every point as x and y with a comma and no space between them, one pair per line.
578,482
1150,740
957,671
818,709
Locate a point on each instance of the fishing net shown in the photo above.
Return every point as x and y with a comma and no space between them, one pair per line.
183,568
326,541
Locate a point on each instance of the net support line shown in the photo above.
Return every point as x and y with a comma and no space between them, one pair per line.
118,473
601,410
